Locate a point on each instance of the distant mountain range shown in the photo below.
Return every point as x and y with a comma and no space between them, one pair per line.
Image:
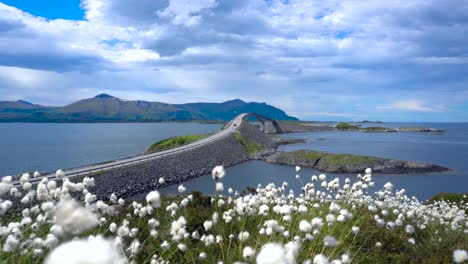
106,108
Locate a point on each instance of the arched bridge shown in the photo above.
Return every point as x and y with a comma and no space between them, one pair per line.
268,125
233,126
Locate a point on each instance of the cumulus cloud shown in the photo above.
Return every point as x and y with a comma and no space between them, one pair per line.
312,58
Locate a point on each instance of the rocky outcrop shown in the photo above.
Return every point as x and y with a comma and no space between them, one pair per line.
347,163
286,141
420,129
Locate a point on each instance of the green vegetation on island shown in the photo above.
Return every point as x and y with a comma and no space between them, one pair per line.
349,163
346,126
374,122
330,159
174,142
249,146
378,129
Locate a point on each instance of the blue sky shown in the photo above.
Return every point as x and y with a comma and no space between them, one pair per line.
318,60
50,9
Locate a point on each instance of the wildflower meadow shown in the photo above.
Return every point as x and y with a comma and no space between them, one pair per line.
329,221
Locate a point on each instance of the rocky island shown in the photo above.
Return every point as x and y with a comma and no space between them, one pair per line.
348,163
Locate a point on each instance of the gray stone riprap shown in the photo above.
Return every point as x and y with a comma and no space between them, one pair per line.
286,141
254,135
176,168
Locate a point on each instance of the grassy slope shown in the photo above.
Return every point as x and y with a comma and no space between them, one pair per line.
250,147
173,142
332,159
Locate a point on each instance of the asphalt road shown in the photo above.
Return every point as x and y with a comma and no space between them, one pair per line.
231,127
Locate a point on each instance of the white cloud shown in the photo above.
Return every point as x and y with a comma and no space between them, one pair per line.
186,12
413,106
304,56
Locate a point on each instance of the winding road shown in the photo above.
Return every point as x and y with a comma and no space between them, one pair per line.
231,127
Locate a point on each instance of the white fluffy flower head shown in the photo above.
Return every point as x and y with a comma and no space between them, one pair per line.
218,173
95,250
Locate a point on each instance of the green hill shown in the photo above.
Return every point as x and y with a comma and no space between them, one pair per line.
106,108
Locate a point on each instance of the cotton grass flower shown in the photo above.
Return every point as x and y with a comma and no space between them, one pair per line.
272,253
154,199
248,253
181,188
59,174
460,256
95,250
305,226
202,255
330,241
218,173
219,187
161,180
74,218
388,186
243,236
320,259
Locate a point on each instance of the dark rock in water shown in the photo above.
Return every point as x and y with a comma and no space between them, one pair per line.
347,163
419,129
288,141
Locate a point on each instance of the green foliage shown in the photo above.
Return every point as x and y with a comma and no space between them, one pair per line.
249,147
330,159
346,126
307,155
457,198
343,159
173,142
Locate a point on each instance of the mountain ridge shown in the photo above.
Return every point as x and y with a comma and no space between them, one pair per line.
107,108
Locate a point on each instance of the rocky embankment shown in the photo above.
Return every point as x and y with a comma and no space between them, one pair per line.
347,163
176,168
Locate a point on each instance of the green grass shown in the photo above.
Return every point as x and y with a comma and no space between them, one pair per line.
307,155
332,159
249,147
343,159
346,126
395,247
173,142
